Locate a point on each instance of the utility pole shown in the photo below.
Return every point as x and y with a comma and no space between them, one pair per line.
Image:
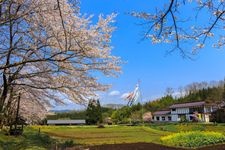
139,83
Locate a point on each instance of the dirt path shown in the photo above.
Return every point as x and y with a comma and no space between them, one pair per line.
147,146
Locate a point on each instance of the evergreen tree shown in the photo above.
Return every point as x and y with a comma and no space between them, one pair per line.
93,113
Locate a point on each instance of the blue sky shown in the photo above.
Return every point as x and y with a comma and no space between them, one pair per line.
148,62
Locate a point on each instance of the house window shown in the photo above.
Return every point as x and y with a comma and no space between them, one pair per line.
157,118
163,118
196,109
174,109
169,118
207,109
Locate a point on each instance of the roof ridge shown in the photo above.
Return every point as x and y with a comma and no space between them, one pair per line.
189,102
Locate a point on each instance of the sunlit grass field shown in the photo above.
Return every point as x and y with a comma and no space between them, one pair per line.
91,135
30,140
50,136
182,127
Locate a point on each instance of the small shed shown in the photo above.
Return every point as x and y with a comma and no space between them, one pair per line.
16,127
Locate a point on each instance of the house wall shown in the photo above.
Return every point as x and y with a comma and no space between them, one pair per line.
206,117
208,109
175,114
175,117
157,116
161,118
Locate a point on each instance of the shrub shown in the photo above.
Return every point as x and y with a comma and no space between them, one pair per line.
67,143
193,139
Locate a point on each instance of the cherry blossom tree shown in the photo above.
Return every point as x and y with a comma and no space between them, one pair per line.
189,33
147,117
50,52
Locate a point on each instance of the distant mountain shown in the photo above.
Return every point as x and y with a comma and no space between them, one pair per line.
61,111
113,106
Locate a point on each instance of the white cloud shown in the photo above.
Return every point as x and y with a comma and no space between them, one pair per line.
114,93
124,95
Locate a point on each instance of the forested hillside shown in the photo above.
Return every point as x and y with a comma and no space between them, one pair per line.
213,92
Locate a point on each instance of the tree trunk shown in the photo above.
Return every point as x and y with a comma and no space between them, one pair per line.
2,99
4,93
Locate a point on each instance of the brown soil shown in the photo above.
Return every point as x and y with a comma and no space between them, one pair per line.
147,146
133,146
219,147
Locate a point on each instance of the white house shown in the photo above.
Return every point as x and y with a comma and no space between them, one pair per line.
162,116
185,111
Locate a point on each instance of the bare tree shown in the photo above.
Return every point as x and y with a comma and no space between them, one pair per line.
48,51
168,24
169,91
181,91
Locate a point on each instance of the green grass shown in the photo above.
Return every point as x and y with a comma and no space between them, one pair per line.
91,135
29,140
182,127
193,139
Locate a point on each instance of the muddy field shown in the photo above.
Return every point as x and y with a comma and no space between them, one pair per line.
147,146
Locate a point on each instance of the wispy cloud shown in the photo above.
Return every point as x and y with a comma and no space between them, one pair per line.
114,93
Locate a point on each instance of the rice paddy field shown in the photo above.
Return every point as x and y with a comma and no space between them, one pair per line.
91,135
53,137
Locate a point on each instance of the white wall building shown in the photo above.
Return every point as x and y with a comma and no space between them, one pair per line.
66,122
185,112
162,116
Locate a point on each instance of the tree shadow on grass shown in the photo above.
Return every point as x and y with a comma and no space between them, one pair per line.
29,140
33,140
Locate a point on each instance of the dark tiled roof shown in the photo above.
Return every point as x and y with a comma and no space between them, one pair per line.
165,112
184,105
